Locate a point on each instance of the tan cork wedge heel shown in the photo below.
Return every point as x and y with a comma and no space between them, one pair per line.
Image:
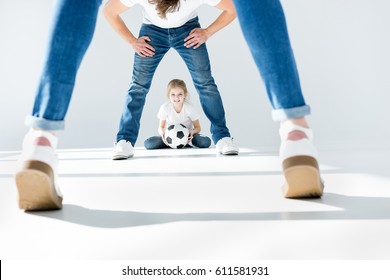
302,177
35,184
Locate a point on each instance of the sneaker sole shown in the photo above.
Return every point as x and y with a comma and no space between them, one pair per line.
119,157
227,153
302,178
230,153
35,184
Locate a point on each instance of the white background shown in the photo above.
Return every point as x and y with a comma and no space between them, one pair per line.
341,48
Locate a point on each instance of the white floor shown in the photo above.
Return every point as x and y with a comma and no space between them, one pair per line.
192,204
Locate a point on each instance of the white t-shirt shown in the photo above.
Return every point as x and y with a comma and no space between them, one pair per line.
187,115
188,10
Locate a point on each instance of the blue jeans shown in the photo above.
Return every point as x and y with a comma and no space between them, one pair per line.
72,30
155,142
197,62
264,27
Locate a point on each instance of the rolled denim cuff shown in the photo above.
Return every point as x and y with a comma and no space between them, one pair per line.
44,124
290,113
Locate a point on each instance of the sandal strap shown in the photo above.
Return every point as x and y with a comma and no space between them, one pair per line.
286,128
36,133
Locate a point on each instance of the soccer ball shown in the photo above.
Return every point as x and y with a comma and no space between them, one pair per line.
176,136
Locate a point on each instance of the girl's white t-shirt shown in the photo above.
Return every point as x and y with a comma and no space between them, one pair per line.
187,115
188,10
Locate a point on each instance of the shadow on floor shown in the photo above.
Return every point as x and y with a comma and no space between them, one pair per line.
351,208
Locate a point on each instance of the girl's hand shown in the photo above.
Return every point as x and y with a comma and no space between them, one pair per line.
163,139
142,48
196,38
190,136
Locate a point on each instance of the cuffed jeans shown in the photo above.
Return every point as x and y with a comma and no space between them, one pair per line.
72,30
264,27
197,62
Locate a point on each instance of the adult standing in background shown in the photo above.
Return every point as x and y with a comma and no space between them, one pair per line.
170,24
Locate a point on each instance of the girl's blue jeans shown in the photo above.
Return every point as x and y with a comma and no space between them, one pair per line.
155,142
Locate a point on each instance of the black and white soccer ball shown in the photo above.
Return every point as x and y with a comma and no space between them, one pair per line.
176,136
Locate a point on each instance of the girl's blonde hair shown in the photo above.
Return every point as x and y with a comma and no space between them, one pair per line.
176,83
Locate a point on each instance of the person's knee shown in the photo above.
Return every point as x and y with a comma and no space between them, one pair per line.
204,78
206,142
201,141
206,84
148,144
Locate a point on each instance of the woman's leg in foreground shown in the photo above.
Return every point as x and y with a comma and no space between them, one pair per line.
72,30
264,27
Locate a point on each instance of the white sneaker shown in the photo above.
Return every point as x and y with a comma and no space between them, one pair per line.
36,178
122,150
226,146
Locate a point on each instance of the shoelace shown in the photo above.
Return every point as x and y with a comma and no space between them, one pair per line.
228,141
